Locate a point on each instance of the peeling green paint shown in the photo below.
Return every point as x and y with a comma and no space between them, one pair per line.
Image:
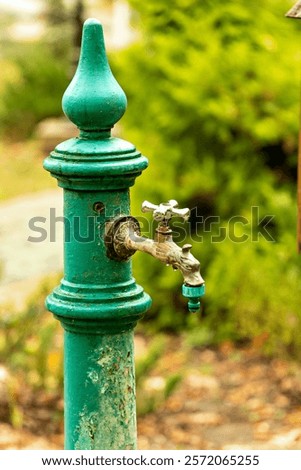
102,412
114,424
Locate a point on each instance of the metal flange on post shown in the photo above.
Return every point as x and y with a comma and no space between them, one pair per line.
98,302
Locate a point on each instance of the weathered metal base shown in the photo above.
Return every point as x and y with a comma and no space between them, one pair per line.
100,391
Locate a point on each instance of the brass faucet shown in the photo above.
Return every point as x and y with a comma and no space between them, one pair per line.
123,239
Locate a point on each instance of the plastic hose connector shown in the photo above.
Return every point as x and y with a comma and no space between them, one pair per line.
193,293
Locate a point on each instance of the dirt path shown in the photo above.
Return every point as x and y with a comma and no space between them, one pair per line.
24,259
228,398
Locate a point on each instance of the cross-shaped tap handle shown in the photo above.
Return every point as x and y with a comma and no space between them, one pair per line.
165,210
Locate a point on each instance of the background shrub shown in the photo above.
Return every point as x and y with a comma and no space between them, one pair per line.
214,102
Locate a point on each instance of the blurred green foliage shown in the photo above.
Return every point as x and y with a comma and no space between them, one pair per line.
31,342
21,164
35,74
33,91
213,92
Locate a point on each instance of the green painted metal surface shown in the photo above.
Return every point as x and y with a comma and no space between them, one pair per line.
194,294
100,391
98,302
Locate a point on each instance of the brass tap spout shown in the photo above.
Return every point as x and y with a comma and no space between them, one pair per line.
168,252
123,239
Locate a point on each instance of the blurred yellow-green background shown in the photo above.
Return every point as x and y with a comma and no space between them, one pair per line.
213,102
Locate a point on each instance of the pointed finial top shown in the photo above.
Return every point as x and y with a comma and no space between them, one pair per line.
93,101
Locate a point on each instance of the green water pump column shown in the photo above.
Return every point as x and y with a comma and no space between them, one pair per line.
98,302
